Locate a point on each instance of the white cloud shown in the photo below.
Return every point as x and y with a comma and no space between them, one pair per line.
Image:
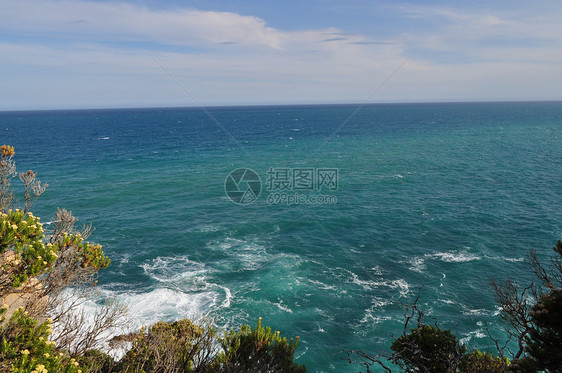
126,22
500,35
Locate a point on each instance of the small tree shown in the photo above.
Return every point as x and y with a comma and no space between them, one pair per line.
545,337
180,346
258,350
428,349
533,315
25,347
482,362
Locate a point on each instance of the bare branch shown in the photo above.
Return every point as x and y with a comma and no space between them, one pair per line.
7,173
365,359
33,188
515,310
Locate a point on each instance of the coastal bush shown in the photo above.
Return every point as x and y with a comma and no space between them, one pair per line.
482,362
22,245
532,315
258,350
25,347
545,337
427,349
96,361
544,340
179,346
523,365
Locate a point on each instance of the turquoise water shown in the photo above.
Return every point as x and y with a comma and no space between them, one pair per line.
442,195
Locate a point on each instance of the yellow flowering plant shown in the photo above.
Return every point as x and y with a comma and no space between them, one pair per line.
25,342
22,235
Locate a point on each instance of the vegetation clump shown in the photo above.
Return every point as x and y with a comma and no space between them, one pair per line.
428,349
258,350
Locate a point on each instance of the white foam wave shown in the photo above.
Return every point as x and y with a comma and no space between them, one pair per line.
473,334
377,270
174,269
454,257
182,278
324,314
475,312
514,260
248,254
447,301
380,302
417,264
167,304
283,307
147,308
228,296
373,316
182,290
322,285
400,284
205,228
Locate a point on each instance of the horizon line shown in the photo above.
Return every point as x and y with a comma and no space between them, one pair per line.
231,106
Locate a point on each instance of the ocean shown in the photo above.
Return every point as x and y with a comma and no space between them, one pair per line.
325,220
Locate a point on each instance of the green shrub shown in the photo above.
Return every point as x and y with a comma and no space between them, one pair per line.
524,365
427,349
258,350
482,362
169,347
25,347
22,236
95,361
545,337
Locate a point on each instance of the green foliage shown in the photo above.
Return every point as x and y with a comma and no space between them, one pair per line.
23,235
95,361
524,365
427,348
258,350
164,347
545,337
25,347
482,362
88,255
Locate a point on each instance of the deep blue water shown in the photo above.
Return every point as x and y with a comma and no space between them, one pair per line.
442,195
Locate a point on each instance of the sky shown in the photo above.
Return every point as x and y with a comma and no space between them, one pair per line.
70,54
